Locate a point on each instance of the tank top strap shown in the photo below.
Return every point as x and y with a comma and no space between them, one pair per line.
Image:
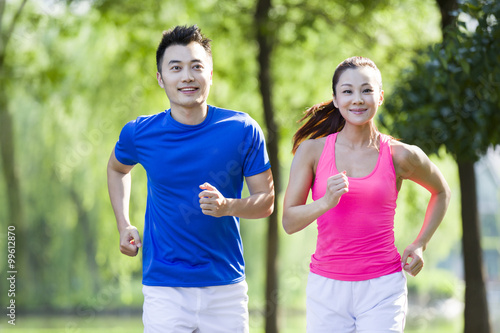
325,167
385,143
386,153
326,161
330,142
385,139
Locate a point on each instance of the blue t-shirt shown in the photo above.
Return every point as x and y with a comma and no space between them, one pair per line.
182,247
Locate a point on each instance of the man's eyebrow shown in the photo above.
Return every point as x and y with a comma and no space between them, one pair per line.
178,61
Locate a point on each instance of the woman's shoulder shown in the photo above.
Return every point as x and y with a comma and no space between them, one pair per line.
311,149
404,150
312,144
406,157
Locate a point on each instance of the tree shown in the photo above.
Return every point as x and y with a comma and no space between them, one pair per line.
264,35
7,136
7,146
450,98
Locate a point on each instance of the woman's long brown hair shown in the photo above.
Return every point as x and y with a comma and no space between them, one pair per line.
324,118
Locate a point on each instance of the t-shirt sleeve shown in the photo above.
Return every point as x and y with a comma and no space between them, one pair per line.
125,150
256,159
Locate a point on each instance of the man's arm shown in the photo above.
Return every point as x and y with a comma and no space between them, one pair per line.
259,204
119,184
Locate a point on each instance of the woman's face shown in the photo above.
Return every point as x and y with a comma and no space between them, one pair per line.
358,95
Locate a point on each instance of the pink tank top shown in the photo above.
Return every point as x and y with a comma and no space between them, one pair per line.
356,238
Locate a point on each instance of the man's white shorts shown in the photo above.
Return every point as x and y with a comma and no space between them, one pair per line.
202,310
376,305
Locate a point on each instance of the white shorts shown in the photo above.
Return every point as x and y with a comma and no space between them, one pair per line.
376,305
201,310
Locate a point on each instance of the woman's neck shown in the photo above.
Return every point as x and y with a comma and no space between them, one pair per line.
359,136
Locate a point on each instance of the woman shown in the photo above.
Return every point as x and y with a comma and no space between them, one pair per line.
356,280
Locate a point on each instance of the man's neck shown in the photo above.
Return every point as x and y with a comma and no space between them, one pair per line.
189,116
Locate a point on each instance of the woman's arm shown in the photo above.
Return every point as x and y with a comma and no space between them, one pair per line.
413,164
296,213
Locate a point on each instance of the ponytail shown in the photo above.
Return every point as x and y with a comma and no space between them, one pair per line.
322,119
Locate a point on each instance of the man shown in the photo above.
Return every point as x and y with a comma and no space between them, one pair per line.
196,157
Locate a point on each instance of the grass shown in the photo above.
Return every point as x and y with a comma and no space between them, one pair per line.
133,324
75,324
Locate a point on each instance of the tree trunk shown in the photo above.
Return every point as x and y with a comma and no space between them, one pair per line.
13,195
7,152
476,319
11,179
85,233
264,41
8,162
446,8
476,305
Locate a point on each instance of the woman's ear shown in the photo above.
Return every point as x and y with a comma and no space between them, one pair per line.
381,99
335,101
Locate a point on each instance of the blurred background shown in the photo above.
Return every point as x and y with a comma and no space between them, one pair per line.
72,73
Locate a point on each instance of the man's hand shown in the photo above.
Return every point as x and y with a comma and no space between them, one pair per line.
130,241
212,202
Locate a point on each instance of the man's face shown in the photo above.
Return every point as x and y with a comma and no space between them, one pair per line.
186,75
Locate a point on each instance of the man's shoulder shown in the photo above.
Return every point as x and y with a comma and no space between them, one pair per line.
146,121
221,114
228,113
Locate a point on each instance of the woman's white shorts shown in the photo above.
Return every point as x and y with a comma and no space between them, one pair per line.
376,305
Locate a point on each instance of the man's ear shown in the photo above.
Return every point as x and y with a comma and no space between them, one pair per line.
160,80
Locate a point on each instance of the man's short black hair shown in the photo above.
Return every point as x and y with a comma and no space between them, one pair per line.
181,35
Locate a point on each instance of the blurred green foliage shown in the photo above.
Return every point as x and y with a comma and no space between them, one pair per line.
453,88
77,71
